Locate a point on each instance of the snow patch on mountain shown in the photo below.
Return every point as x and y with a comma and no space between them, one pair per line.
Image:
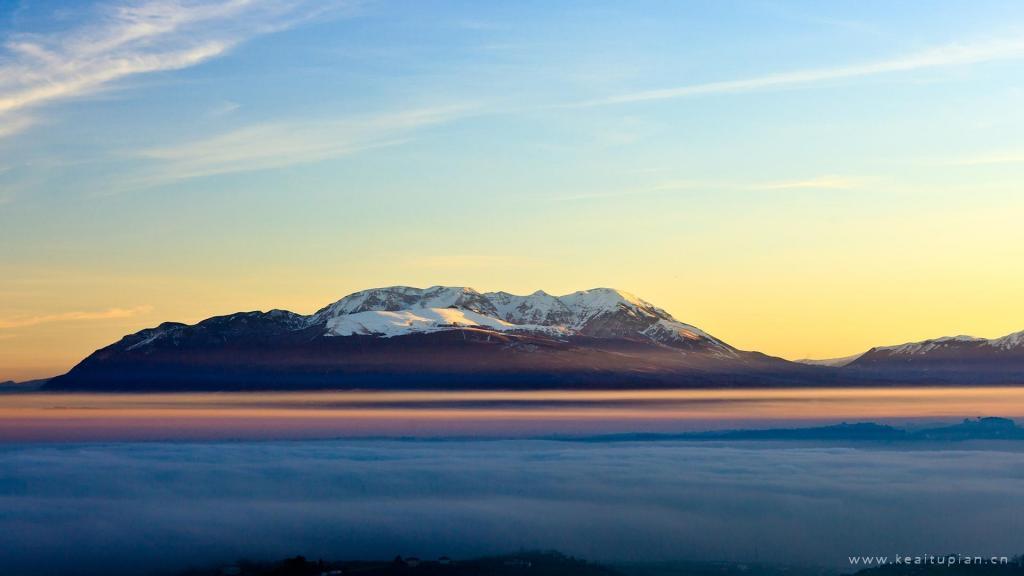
949,347
395,298
537,308
402,322
672,329
1008,342
923,347
151,335
587,304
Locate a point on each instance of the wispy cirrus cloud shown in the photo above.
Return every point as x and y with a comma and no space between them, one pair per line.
938,57
122,40
281,144
813,183
1007,157
472,261
75,316
224,108
667,186
817,183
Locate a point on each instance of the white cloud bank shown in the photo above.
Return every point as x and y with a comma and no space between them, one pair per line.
125,508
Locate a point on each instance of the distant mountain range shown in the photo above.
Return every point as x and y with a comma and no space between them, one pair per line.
23,386
947,359
454,337
982,428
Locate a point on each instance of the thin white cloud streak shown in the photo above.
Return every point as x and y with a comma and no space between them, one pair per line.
817,183
472,261
820,183
224,108
1013,157
76,316
282,144
940,57
127,40
655,189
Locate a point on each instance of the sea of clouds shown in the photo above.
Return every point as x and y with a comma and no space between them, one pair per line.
126,507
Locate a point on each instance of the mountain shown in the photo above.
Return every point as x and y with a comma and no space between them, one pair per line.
453,337
438,337
981,428
10,386
950,359
598,313
951,348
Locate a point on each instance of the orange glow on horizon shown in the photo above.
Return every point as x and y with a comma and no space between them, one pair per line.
486,413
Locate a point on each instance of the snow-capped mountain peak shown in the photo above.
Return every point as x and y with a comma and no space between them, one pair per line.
537,308
588,304
598,313
395,298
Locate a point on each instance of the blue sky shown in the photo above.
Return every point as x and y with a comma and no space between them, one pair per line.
796,177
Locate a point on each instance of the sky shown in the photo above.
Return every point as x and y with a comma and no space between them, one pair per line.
802,179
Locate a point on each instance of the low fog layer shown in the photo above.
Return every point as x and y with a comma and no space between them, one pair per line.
126,507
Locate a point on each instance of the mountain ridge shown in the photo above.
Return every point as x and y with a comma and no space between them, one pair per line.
576,312
457,337
1010,342
943,360
401,336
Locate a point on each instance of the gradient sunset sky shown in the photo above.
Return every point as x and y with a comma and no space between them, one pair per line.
806,179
